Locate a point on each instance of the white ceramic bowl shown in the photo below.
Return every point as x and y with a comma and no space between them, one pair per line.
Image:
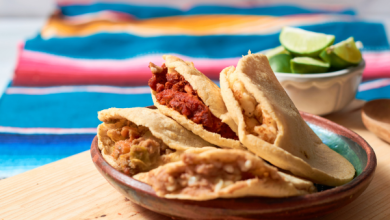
322,93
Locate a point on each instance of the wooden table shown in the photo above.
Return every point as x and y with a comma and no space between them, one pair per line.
73,189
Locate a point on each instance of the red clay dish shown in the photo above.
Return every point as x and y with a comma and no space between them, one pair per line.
299,207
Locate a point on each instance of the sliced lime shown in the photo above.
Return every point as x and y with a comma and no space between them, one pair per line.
342,55
276,51
335,62
304,43
308,65
280,63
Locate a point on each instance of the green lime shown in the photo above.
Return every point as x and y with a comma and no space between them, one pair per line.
342,55
275,51
308,65
280,63
304,43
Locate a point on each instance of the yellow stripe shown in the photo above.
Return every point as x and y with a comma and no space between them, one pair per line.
185,25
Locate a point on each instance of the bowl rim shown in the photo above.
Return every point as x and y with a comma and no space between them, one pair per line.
272,204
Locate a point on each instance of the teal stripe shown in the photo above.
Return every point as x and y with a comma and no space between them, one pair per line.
66,110
145,12
372,94
19,153
124,46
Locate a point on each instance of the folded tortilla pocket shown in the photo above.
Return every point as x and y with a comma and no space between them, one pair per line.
137,140
222,173
270,126
183,93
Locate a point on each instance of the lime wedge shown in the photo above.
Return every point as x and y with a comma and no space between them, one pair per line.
280,63
308,65
304,43
276,51
342,55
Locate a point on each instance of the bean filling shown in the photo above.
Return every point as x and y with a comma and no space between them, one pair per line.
135,149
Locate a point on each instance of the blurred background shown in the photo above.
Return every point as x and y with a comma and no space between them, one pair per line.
21,19
62,61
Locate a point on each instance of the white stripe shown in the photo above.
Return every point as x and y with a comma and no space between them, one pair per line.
104,15
374,84
70,89
16,130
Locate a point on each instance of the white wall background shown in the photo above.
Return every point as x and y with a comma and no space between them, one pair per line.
26,8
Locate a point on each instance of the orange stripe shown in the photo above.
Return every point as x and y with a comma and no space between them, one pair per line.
185,25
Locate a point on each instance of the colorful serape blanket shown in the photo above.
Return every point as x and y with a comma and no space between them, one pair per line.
93,56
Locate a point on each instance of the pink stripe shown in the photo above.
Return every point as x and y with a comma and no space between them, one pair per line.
47,130
68,89
73,2
40,69
43,58
376,56
377,65
32,57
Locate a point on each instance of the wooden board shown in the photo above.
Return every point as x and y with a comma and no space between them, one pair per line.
73,189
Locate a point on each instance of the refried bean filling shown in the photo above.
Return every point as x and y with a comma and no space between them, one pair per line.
135,149
175,92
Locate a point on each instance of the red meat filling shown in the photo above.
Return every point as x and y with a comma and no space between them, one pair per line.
175,92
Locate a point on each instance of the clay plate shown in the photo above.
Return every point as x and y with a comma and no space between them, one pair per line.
298,207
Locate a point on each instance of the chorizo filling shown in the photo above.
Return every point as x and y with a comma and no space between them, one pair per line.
201,176
258,121
176,93
134,149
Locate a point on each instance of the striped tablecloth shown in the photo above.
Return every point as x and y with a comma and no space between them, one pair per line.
90,57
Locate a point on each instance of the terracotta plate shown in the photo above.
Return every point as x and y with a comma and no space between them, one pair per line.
327,200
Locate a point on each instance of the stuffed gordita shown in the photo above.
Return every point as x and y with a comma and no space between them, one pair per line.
183,93
137,140
270,125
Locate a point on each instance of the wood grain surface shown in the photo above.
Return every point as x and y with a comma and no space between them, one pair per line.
73,189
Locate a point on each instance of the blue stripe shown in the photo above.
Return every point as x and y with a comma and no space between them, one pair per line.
144,12
64,110
123,46
378,93
19,153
